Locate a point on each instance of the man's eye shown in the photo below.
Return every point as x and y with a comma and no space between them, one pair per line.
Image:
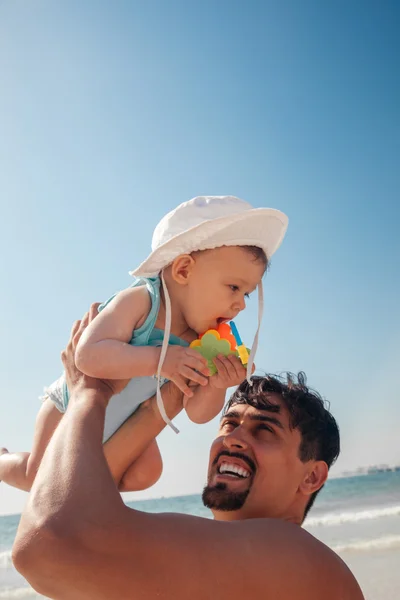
264,427
228,425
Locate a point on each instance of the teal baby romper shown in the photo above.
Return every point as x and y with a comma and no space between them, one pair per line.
139,389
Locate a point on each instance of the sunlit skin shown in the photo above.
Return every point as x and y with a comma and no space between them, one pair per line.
104,549
210,286
205,288
264,445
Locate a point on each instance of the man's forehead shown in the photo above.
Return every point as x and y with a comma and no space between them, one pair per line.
274,406
274,403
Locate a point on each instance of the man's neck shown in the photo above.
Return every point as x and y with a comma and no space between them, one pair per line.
242,515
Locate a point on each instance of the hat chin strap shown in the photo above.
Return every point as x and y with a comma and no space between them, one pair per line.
255,342
164,348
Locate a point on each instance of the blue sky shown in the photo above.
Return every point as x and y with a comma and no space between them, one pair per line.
112,113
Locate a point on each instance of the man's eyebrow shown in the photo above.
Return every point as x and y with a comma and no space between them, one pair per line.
272,420
233,414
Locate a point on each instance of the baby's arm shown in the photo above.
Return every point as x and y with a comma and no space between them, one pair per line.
104,351
207,402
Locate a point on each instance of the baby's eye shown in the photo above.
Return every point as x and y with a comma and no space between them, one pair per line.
234,288
247,295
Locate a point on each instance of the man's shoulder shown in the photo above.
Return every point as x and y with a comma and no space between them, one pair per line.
300,561
261,559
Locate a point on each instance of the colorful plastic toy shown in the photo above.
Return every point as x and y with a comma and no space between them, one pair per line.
220,341
241,348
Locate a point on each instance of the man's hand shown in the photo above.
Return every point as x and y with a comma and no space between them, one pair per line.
230,373
76,380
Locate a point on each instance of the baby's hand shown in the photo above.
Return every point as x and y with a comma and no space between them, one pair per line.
230,373
182,364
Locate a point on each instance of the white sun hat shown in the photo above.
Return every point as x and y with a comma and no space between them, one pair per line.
204,223
209,222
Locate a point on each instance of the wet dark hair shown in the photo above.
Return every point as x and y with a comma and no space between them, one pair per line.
308,412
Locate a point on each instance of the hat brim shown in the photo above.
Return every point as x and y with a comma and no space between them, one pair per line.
261,227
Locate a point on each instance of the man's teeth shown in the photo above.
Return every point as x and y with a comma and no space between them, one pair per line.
233,470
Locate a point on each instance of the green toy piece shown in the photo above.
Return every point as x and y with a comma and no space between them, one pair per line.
212,344
210,347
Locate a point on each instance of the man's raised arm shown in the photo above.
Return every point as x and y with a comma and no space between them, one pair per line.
77,539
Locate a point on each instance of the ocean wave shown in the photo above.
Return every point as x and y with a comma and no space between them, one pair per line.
21,592
5,560
382,543
353,517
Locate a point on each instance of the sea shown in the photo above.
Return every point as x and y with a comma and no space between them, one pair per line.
358,517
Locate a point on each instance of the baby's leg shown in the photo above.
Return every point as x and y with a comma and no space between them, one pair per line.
144,472
19,469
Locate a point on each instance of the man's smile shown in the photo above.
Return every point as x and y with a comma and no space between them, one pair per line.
230,468
233,466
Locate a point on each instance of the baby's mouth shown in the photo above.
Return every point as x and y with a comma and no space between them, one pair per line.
221,320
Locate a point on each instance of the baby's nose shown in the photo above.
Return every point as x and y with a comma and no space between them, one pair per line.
239,304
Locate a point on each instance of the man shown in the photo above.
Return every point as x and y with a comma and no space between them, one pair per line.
78,540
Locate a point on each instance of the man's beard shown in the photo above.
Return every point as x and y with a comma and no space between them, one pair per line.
219,497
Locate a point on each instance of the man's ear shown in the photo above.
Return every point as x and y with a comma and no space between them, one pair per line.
181,268
314,478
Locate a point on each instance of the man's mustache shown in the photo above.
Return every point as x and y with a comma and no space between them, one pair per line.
243,457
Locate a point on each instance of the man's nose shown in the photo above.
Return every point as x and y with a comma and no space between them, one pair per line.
235,439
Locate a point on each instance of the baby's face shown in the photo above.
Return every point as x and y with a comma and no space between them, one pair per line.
219,283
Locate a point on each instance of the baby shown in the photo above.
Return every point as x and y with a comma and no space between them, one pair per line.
208,255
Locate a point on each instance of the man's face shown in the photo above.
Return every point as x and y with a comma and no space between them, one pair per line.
254,468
